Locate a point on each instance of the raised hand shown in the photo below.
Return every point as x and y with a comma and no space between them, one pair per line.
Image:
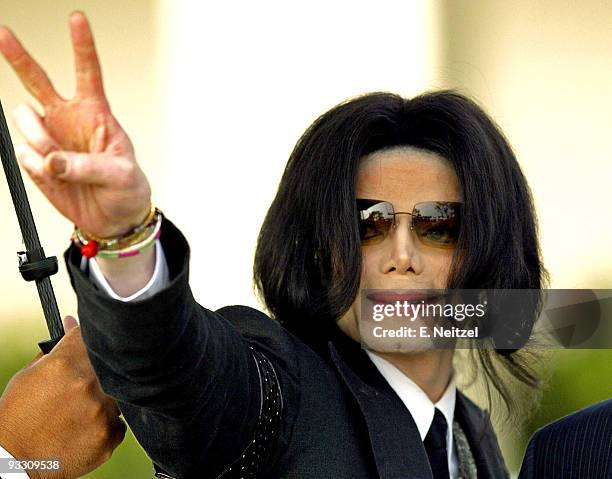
76,152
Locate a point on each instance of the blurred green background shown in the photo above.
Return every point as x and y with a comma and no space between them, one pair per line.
577,378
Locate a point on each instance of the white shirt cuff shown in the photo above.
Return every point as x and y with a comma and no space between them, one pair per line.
159,280
17,474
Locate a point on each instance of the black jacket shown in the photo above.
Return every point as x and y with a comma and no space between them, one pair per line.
198,388
576,446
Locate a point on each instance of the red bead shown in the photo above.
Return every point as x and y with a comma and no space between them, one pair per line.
90,249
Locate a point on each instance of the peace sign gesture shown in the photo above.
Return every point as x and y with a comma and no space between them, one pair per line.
76,152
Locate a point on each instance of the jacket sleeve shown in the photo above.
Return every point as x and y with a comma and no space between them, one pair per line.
187,382
527,467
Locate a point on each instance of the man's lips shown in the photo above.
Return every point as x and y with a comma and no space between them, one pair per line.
410,296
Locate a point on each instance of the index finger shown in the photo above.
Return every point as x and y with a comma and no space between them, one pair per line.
30,73
88,71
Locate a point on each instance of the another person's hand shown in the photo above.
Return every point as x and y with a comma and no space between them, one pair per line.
76,152
54,409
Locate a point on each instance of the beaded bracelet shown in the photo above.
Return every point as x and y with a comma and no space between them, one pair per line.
136,249
142,241
118,242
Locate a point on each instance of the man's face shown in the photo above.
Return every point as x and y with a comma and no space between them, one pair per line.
402,176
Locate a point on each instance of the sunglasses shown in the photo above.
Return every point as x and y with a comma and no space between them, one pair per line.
436,223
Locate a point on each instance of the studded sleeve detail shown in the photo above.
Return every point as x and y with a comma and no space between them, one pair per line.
256,455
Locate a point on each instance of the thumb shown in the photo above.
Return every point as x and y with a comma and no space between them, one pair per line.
70,323
100,169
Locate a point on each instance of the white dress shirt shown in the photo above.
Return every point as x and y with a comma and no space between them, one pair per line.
420,406
158,281
414,398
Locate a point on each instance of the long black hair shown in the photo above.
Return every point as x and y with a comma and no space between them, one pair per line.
308,258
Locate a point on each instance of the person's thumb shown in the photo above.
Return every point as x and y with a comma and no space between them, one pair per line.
100,169
70,323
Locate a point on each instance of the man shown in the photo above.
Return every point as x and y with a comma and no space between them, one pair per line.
54,410
576,446
232,393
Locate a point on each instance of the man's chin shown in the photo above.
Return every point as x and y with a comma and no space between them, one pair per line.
395,340
400,349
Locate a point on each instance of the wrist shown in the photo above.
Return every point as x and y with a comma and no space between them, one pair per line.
134,242
122,230
142,217
129,275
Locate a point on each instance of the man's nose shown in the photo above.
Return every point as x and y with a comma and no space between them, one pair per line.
404,255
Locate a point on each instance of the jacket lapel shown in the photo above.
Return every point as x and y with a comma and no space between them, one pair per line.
481,437
396,443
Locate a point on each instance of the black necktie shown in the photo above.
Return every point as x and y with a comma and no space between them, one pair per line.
435,445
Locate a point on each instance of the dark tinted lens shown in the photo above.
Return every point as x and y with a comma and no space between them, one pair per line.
375,219
436,223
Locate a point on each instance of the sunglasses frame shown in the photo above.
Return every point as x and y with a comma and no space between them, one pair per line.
455,204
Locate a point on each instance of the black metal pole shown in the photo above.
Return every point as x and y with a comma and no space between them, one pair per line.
33,265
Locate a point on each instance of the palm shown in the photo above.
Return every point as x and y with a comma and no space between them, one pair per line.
83,124
72,123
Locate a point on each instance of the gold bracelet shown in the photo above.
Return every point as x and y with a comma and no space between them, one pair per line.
122,246
134,235
153,233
